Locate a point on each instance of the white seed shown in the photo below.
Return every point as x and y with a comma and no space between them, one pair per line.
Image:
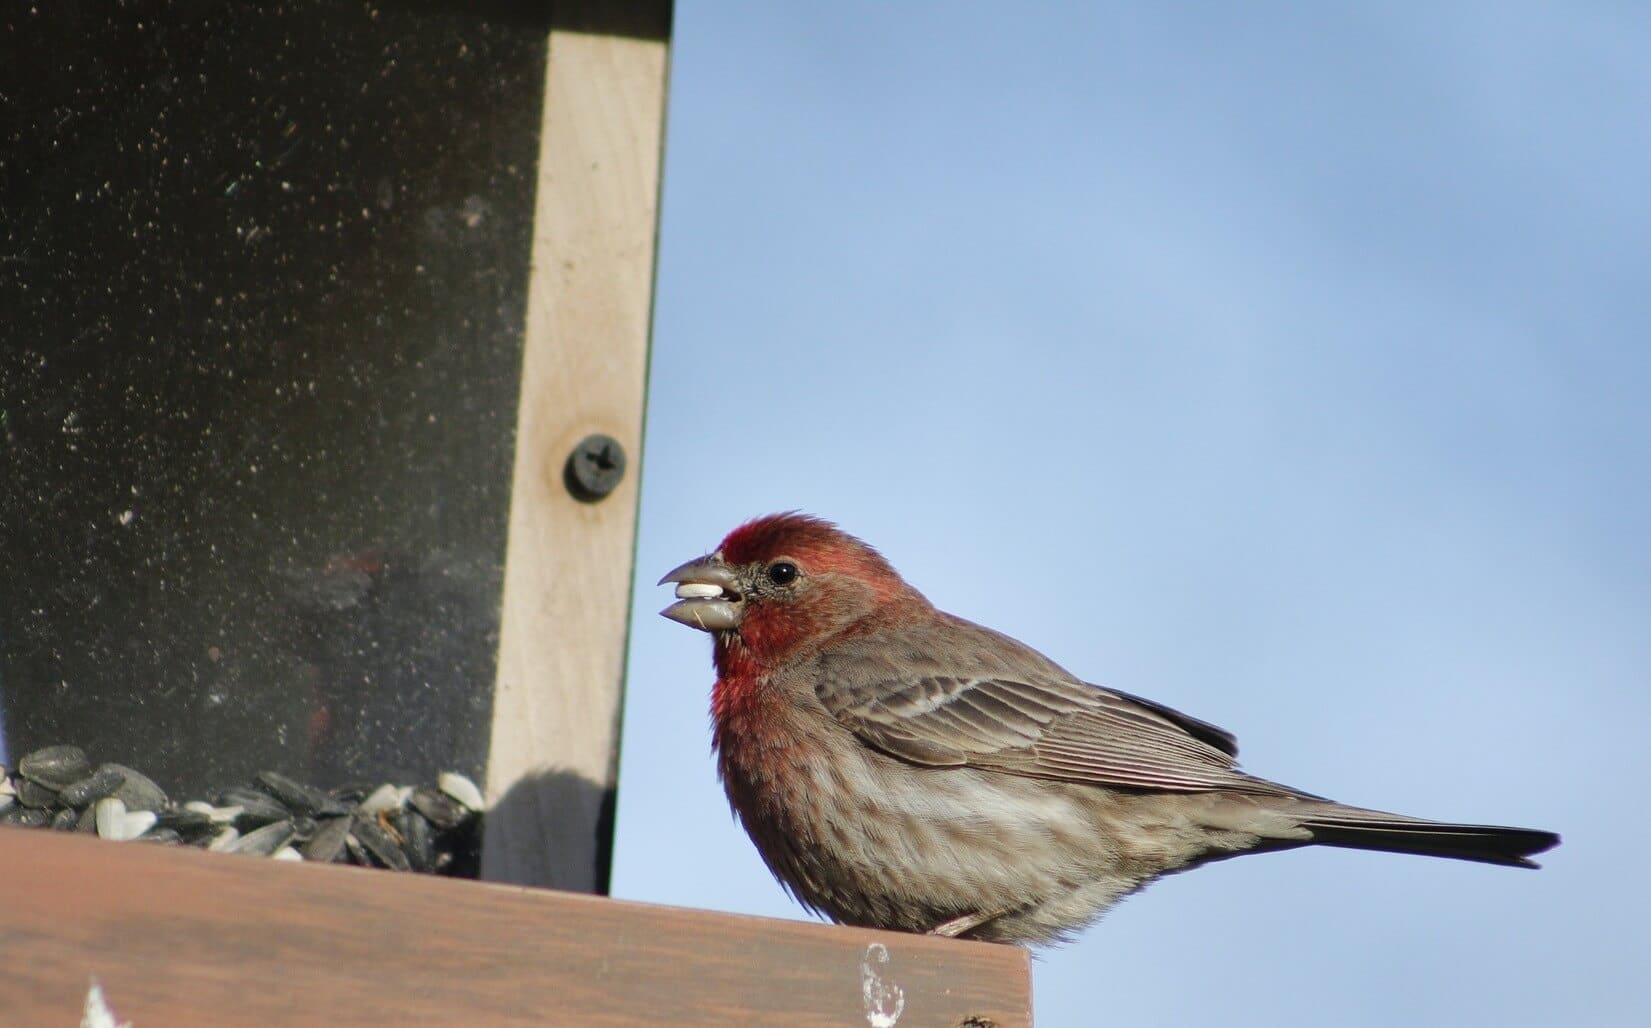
461,789
116,823
219,815
697,591
109,812
385,797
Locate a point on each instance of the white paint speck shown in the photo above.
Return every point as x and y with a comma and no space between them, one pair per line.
97,1013
125,517
885,1001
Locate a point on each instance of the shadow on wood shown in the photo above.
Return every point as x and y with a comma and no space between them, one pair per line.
539,807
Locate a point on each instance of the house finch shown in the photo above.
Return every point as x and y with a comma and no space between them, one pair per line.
899,767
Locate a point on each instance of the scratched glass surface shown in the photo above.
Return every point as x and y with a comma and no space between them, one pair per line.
263,271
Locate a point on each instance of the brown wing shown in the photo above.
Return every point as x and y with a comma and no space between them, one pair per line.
1002,706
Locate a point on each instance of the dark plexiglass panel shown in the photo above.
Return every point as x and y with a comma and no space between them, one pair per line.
263,274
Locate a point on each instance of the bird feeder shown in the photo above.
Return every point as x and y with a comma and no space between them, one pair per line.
320,402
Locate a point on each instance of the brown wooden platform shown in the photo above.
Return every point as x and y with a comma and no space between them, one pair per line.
182,937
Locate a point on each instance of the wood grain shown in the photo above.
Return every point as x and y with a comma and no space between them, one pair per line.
568,563
181,937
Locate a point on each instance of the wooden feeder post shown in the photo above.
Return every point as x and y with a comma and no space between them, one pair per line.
568,566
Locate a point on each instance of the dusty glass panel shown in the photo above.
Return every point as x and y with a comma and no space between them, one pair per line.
263,275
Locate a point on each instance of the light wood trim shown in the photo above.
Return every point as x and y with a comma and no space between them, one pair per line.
568,563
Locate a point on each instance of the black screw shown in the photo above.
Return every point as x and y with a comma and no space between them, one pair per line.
594,468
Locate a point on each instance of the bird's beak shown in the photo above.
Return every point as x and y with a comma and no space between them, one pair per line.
708,595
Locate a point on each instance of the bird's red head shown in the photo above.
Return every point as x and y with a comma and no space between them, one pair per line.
804,537
780,583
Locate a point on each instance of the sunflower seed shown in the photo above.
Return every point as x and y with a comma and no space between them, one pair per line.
28,817
100,783
416,840
256,807
32,794
462,789
55,766
136,790
299,798
264,841
350,793
442,810
358,853
379,844
327,844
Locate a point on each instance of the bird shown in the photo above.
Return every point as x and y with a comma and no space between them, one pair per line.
899,767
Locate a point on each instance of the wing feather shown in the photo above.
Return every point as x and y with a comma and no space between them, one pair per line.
1003,707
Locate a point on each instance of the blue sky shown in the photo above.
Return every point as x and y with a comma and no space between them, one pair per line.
1292,367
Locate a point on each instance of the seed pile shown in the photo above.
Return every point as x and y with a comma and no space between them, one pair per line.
433,828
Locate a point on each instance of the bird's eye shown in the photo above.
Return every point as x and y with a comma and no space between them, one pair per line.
782,572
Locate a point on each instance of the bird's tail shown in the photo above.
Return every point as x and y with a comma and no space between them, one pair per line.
1335,825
